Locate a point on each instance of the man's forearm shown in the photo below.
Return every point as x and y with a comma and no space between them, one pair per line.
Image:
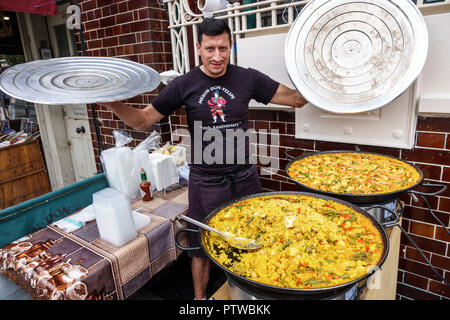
139,119
288,97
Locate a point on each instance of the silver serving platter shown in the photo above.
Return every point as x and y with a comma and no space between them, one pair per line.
78,80
349,56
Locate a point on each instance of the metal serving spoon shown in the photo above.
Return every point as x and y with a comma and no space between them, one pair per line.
236,242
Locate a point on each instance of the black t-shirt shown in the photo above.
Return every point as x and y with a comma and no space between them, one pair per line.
217,112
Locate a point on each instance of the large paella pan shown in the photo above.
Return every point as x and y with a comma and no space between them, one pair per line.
311,244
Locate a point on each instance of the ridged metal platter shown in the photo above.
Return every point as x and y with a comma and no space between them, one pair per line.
348,56
78,80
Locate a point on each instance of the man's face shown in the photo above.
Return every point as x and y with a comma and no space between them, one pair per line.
215,52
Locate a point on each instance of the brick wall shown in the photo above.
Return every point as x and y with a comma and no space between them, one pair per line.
431,154
138,30
135,30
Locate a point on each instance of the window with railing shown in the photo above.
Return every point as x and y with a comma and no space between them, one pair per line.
249,19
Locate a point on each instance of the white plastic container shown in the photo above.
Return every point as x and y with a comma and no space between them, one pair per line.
114,216
164,170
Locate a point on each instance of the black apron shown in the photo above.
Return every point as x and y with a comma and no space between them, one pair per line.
207,191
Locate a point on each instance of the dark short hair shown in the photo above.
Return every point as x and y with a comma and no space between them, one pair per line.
213,27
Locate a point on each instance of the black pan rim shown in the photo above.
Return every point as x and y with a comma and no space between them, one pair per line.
355,198
299,291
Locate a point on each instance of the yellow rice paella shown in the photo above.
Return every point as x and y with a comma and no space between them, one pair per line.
353,173
307,242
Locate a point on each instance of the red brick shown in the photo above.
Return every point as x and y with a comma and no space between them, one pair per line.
432,172
290,141
444,204
422,229
106,131
286,116
146,36
98,13
430,140
157,14
423,215
279,175
143,47
148,58
90,15
123,6
157,47
441,234
414,293
280,126
138,26
127,39
93,35
136,4
100,33
89,25
440,288
413,254
290,128
416,281
88,5
110,41
105,114
446,174
430,156
158,36
132,58
102,3
270,184
120,51
94,44
435,124
143,13
418,268
425,244
140,135
262,115
441,262
106,11
107,22
262,125
124,17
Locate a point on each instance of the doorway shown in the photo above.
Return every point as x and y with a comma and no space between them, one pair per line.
65,130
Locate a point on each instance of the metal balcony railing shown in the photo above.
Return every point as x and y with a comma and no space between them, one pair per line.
244,20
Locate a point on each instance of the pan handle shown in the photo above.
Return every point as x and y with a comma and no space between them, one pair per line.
290,157
443,188
177,243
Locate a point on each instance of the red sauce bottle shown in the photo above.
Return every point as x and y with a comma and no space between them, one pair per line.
145,187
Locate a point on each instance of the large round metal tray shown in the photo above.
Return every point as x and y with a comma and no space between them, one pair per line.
78,80
348,56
